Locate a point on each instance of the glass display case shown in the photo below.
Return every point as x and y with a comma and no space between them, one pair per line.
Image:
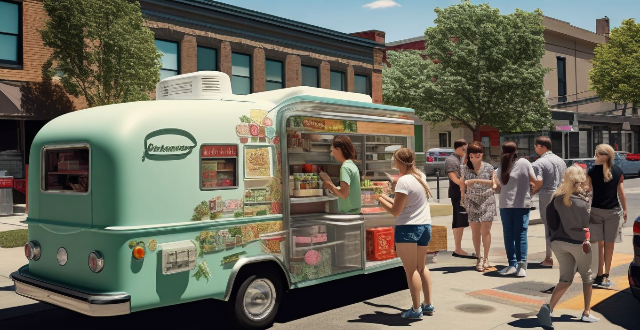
324,248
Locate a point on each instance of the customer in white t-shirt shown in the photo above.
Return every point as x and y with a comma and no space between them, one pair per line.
410,206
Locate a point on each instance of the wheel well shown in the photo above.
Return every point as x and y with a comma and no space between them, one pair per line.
257,268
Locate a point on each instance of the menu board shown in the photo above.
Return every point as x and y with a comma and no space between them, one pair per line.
258,162
312,124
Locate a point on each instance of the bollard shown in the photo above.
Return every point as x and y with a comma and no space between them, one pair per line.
438,185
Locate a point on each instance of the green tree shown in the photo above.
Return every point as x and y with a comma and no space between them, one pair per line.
615,75
479,68
102,50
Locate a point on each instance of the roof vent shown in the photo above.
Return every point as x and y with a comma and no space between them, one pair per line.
202,85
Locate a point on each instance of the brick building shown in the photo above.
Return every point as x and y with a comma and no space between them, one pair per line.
258,51
581,120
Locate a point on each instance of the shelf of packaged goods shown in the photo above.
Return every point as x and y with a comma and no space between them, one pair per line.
315,199
308,246
380,161
359,164
70,172
384,143
225,170
258,203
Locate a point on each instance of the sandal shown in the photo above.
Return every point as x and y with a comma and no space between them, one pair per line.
479,266
486,265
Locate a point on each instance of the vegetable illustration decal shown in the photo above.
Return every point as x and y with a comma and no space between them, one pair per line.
202,271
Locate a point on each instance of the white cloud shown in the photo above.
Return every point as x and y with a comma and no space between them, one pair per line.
381,4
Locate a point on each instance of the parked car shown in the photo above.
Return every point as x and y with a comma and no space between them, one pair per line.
435,160
626,161
634,267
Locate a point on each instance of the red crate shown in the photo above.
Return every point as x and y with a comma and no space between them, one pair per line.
380,244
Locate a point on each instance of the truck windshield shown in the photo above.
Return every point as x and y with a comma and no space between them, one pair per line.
66,169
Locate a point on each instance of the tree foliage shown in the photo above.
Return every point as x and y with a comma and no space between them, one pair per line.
615,75
479,68
102,49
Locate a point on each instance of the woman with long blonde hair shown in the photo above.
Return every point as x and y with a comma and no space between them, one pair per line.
608,194
568,225
410,206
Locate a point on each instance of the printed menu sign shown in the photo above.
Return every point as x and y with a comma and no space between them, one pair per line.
257,162
219,151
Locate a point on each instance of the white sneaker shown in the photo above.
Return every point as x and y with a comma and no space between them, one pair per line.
510,270
589,318
522,269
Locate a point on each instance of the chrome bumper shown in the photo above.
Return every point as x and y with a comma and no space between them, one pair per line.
81,302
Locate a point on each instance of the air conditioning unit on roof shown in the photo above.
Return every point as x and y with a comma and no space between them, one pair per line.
202,85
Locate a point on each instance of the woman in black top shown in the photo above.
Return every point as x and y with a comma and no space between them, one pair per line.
608,193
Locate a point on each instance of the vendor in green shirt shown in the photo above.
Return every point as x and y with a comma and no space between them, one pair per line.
349,199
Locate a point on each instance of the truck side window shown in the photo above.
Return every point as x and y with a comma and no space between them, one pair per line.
218,167
66,169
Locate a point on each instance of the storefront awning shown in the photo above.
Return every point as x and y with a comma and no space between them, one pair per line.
10,100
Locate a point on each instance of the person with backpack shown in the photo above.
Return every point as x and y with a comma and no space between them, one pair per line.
410,206
568,225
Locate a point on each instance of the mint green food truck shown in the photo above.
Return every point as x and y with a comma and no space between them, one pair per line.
202,194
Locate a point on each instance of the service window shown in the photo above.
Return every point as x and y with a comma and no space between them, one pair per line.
218,167
65,169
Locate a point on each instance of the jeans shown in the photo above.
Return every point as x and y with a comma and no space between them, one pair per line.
515,223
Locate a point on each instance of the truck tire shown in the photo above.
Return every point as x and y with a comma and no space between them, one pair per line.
255,299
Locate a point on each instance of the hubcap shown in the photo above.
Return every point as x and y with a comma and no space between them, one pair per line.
259,299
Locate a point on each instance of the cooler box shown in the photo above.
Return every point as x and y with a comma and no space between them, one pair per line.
380,244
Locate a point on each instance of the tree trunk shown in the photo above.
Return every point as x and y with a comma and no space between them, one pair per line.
476,133
624,110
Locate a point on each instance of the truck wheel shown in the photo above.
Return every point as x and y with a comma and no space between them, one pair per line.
255,302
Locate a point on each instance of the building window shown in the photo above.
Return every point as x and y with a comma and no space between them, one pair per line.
361,84
310,76
445,139
10,33
170,58
337,81
274,75
241,74
562,79
207,59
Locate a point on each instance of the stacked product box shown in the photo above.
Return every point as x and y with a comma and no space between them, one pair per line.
380,244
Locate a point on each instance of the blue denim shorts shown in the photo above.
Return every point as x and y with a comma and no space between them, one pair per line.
420,234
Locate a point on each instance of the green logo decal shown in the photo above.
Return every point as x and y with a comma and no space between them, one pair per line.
159,145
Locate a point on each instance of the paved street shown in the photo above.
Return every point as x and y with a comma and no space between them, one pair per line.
464,298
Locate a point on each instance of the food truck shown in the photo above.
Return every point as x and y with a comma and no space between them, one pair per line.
203,194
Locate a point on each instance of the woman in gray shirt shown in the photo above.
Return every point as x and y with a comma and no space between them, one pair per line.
568,219
515,176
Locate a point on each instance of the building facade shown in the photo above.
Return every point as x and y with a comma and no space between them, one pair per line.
580,119
259,52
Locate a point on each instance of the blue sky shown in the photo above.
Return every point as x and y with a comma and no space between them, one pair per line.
402,19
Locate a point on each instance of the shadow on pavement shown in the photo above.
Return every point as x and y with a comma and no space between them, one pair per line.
296,304
392,320
532,323
7,288
340,293
620,309
453,269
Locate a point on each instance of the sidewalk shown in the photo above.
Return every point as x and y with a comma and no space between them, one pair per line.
14,221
